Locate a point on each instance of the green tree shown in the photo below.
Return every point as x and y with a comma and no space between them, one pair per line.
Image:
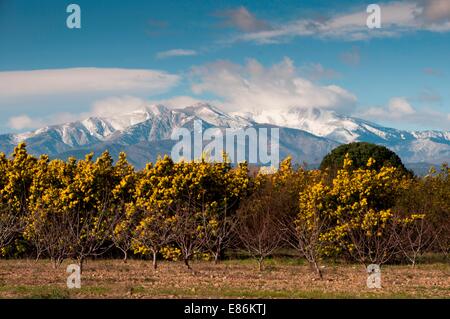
359,153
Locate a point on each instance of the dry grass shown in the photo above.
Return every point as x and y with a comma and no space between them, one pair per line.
283,278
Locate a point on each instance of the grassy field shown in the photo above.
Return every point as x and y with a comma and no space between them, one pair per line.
282,278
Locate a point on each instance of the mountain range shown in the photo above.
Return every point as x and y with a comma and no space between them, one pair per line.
305,134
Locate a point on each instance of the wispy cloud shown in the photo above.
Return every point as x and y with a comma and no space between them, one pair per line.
105,107
429,96
175,53
400,110
23,122
432,72
243,20
17,84
157,27
316,71
396,18
434,10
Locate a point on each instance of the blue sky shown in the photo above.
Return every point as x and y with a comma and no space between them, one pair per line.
265,55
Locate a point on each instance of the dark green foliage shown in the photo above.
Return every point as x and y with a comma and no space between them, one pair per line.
359,153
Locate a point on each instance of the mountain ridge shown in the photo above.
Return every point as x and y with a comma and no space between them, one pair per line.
307,135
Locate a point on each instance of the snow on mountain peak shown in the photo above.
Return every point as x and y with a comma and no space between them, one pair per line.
154,123
121,122
214,116
319,122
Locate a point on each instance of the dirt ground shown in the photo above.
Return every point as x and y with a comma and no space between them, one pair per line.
282,278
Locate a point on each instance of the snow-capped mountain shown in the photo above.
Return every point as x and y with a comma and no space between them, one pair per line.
412,146
150,123
145,133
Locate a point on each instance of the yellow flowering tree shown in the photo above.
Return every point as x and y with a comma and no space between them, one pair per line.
219,220
49,223
150,214
16,179
89,201
358,207
186,207
428,198
123,200
9,219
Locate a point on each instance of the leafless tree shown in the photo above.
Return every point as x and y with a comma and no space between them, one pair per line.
91,232
218,230
51,235
156,234
416,237
10,225
186,234
377,246
258,224
304,237
443,238
122,231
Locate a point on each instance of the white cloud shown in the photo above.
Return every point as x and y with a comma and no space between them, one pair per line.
116,105
177,102
399,106
248,88
396,18
23,122
14,84
175,53
434,10
255,88
107,107
400,110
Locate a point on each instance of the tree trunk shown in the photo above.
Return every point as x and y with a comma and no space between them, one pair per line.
260,264
155,264
125,256
186,262
216,258
318,271
80,263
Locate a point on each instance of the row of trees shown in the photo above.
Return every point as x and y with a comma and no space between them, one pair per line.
79,209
